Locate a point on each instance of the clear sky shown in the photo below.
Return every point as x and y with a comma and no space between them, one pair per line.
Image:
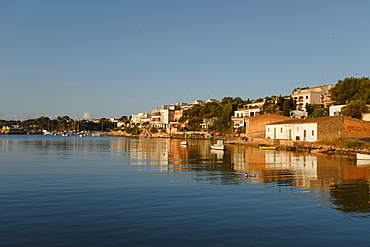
115,58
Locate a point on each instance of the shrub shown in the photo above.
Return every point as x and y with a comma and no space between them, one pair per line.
153,130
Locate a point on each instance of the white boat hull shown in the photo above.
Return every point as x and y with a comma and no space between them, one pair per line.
363,156
218,147
268,148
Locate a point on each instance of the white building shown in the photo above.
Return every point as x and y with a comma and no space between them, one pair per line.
296,132
335,110
162,118
298,114
140,118
250,110
316,95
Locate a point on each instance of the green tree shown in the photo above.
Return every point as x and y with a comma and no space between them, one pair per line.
286,108
320,113
280,102
195,122
153,130
220,113
310,108
355,109
351,89
273,109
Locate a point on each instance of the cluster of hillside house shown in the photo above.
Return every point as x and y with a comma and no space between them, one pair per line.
295,127
167,117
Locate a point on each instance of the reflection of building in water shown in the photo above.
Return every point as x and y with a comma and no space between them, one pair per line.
144,151
337,178
305,170
303,167
277,166
168,154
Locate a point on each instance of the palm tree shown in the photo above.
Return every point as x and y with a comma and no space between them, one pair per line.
274,109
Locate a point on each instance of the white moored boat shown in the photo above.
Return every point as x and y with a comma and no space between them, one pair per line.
183,143
219,145
268,147
363,156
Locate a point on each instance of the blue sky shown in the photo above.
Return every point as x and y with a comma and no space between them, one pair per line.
115,58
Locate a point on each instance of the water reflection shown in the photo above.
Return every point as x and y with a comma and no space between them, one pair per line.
341,179
342,182
54,145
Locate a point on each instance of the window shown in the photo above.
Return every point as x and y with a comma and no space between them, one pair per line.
281,130
268,129
313,132
306,97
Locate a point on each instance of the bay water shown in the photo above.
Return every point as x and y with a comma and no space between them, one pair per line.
109,191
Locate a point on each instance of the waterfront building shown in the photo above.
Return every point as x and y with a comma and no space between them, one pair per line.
255,126
315,129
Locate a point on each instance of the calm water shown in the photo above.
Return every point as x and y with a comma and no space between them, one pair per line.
91,191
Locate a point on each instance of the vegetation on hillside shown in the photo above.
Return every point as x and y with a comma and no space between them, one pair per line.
351,89
218,115
355,109
354,93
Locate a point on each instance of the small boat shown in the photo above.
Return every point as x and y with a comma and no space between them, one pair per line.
363,156
219,145
6,130
184,143
268,147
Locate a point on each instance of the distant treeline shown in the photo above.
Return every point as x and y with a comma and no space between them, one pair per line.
62,124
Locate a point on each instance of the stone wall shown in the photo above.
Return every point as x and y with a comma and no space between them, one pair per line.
267,142
287,143
342,127
355,128
330,129
256,126
251,137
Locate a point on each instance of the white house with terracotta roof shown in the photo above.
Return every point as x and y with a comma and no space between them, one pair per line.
292,131
317,95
